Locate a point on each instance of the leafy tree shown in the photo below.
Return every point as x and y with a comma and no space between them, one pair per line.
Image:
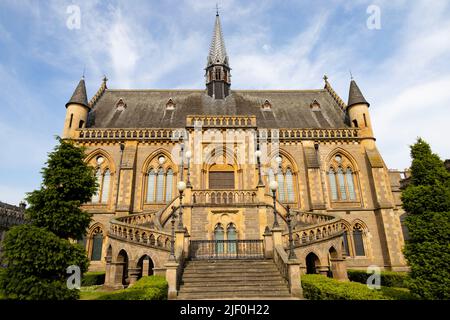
38,253
427,200
67,183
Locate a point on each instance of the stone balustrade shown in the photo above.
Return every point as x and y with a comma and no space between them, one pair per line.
322,227
138,234
224,197
220,121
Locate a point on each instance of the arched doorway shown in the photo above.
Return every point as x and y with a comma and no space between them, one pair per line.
312,262
145,264
122,268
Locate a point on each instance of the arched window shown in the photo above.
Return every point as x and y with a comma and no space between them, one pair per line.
342,181
160,186
218,237
351,187
151,186
105,186
290,186
169,185
358,240
231,236
97,244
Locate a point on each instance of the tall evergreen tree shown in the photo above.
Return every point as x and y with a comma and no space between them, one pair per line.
427,200
38,253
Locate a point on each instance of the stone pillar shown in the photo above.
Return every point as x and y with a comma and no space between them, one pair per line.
323,270
171,277
133,274
187,209
295,286
179,241
277,237
339,269
187,243
108,275
268,244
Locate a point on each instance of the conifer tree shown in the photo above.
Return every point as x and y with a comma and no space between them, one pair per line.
427,200
38,253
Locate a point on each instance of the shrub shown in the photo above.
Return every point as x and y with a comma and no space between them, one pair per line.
319,287
93,279
146,288
37,260
388,278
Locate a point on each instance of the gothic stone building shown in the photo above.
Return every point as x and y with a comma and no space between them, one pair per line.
226,147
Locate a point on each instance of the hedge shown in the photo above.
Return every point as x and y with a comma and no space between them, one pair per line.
146,288
93,279
388,278
319,287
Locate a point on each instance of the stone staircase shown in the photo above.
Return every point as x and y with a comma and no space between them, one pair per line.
232,279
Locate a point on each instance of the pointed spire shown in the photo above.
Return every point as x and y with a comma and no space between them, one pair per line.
79,96
217,51
355,96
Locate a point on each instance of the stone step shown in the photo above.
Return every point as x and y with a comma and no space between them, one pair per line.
238,290
232,295
231,270
234,278
223,284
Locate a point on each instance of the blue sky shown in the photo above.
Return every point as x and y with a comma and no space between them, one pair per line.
402,68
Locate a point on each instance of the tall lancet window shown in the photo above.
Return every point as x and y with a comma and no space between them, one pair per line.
105,186
332,179
151,186
160,186
351,186
290,186
281,187
169,185
340,175
98,178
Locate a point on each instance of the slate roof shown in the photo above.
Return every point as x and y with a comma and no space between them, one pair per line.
79,95
355,95
147,108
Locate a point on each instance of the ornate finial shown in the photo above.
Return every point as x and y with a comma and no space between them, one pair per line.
217,9
105,78
325,78
351,75
84,70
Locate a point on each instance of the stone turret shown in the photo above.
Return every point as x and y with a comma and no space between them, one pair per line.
358,112
77,110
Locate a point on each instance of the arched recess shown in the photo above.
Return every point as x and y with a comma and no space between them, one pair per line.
159,178
121,275
312,262
95,241
146,265
105,170
359,238
221,160
346,239
287,177
342,177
